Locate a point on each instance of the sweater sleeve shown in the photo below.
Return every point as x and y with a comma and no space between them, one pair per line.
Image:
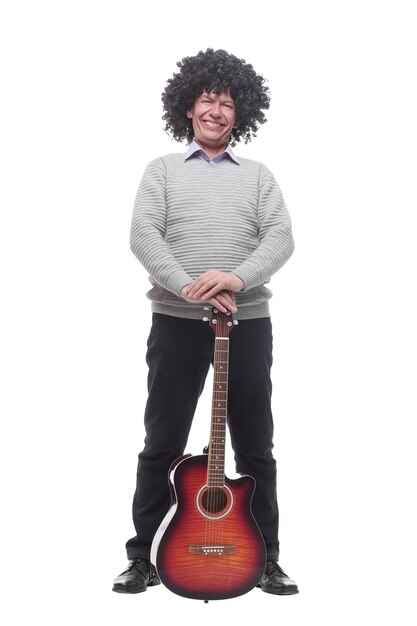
275,234
148,231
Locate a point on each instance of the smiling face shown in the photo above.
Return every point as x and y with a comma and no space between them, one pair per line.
213,116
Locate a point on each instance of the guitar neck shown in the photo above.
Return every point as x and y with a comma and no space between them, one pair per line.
217,447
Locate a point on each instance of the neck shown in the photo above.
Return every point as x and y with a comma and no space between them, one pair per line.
212,151
216,458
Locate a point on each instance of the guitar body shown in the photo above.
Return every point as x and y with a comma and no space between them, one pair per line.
209,545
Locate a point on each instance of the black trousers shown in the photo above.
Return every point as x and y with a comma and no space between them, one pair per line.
179,355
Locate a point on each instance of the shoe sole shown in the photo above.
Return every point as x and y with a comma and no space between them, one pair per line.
124,589
128,591
288,592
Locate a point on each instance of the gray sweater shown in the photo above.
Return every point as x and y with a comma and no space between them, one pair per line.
189,217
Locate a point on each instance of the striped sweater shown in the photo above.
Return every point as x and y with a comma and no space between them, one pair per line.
189,218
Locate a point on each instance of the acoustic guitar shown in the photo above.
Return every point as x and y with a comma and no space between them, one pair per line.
209,545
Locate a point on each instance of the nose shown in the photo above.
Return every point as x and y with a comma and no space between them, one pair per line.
215,109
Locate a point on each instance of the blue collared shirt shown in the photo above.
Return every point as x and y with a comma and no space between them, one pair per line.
195,151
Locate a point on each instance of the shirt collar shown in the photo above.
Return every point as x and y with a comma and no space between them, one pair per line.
195,150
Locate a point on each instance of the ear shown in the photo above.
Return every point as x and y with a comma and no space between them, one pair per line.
190,114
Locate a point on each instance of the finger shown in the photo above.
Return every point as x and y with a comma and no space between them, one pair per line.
227,301
195,285
208,290
226,296
218,305
211,277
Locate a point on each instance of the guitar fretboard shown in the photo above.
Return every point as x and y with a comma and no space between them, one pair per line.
217,447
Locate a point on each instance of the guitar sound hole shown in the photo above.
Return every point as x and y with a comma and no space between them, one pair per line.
214,500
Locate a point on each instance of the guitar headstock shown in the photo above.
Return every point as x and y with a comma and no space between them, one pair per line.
221,323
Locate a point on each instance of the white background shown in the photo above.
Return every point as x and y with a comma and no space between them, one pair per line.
81,117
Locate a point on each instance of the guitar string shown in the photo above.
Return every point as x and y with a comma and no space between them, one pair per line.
224,424
226,363
216,506
222,434
216,493
212,449
219,493
214,443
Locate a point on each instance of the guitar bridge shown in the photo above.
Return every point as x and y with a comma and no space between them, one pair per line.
211,550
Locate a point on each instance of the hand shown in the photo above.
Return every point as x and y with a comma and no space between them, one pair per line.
223,301
210,283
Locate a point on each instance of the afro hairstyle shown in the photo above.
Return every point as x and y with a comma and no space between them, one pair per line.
215,70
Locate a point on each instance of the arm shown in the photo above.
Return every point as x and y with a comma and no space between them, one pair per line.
275,235
148,230
149,246
274,249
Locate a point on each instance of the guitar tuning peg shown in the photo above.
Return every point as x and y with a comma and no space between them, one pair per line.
205,319
206,308
235,322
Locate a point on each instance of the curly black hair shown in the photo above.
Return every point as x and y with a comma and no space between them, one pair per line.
215,70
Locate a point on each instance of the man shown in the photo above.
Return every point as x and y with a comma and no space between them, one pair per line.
210,229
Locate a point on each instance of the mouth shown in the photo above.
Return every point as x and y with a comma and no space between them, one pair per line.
211,124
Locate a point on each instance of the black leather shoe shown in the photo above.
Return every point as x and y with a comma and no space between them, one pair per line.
274,580
139,575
